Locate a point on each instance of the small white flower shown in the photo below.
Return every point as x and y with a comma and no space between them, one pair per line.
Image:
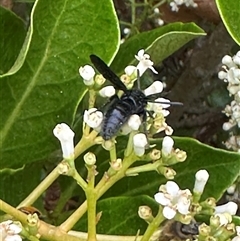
228,125
126,31
144,62
65,135
107,91
154,88
173,199
139,143
9,231
156,10
167,145
201,178
87,72
222,75
132,124
93,118
174,7
231,189
160,22
227,60
130,69
236,60
230,207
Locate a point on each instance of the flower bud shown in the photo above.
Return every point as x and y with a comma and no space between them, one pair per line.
155,87
155,154
201,178
230,207
63,168
65,135
107,91
90,158
93,118
87,72
139,143
116,164
145,213
167,145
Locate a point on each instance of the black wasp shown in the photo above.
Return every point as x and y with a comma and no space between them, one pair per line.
132,101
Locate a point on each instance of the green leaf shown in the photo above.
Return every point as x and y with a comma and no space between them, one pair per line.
47,88
16,185
230,14
12,36
159,43
223,167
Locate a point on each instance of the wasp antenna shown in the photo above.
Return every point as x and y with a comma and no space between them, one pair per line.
166,102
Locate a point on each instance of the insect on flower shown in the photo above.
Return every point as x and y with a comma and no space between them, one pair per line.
119,110
30,210
175,231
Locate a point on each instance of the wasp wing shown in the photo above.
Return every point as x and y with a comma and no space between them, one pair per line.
107,72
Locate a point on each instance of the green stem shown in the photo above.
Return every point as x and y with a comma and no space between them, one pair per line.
143,168
91,204
79,179
152,227
133,12
159,4
104,184
113,153
129,148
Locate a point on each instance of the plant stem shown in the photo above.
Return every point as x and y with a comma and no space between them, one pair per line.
153,225
104,184
143,168
79,179
91,204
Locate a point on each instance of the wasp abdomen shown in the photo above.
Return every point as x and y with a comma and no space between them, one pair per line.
118,114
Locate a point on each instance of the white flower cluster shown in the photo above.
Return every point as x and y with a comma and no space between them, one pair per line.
230,74
93,118
176,3
9,231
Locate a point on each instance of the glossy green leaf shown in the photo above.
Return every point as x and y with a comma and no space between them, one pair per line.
13,32
159,43
47,88
230,14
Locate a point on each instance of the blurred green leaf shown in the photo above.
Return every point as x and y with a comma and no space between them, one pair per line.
12,36
159,43
230,14
47,88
